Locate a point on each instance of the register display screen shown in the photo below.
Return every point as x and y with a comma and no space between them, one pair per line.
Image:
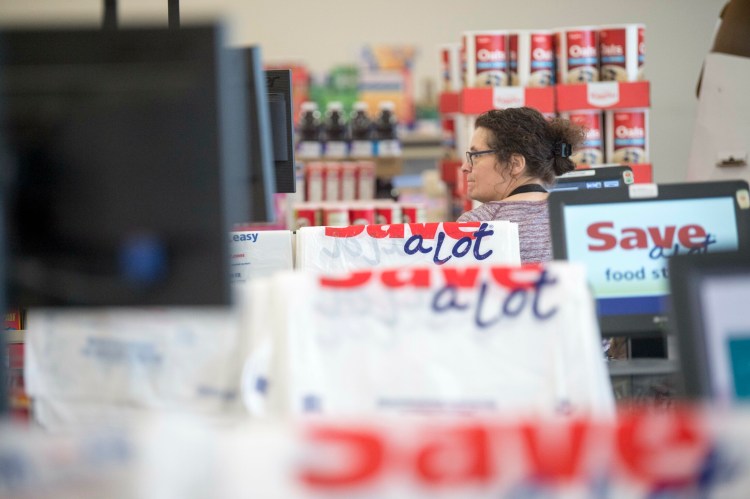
726,325
626,246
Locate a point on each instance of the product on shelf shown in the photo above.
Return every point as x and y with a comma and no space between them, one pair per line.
627,136
387,212
413,213
332,181
532,58
486,54
309,130
448,127
361,131
307,215
622,52
339,180
362,214
577,55
335,215
591,151
359,212
348,181
450,67
314,181
365,179
13,319
336,131
387,143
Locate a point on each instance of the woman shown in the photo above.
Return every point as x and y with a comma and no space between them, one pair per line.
514,154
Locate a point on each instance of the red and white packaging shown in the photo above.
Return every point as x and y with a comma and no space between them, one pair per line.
591,151
620,52
641,52
532,58
13,319
307,215
450,67
365,180
413,213
462,61
577,55
332,190
448,123
314,181
361,214
486,58
348,181
627,136
335,215
387,212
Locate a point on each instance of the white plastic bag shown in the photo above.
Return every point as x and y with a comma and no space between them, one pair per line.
480,339
331,249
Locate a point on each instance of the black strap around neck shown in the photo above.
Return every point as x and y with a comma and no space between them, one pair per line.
522,189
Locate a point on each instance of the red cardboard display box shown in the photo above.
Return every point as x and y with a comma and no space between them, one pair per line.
603,95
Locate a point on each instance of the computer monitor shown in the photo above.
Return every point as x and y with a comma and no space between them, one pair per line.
708,316
626,236
262,184
279,85
610,177
128,153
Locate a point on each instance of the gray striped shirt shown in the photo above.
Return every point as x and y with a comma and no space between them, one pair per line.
532,218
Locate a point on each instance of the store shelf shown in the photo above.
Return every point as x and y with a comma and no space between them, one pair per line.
642,367
14,336
422,146
603,95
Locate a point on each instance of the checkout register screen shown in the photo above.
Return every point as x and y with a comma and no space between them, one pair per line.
626,245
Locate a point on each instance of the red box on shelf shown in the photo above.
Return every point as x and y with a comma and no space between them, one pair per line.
449,102
449,170
479,100
603,95
13,319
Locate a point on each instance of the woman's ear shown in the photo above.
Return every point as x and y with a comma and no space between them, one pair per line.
517,164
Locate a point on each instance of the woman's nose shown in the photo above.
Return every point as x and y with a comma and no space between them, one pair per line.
465,166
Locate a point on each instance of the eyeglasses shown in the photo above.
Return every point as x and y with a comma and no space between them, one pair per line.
470,155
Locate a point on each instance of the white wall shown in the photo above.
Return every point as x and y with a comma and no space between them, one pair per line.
323,33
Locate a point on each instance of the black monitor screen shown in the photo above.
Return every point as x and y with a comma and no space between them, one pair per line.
279,85
625,238
594,178
262,176
127,162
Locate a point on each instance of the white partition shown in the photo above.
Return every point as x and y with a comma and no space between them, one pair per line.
721,134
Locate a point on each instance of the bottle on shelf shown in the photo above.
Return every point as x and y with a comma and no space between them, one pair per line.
309,128
362,127
386,138
336,131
